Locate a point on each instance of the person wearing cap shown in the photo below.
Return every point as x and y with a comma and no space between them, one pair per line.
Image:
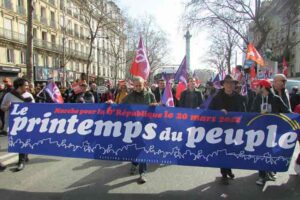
191,97
279,86
267,102
140,95
159,91
85,96
227,100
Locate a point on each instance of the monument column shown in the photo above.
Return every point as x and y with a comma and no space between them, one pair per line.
188,49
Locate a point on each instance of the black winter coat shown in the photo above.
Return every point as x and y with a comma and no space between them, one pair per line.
190,99
231,103
277,104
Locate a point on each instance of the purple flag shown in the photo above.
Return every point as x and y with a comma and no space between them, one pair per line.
216,81
167,98
181,76
182,72
207,101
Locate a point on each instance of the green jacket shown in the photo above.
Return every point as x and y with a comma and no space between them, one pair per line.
143,97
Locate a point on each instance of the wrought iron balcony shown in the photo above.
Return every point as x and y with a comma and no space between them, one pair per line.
38,43
12,36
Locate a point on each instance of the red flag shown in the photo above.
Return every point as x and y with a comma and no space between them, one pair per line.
252,54
252,73
140,66
76,87
180,88
181,76
52,89
285,67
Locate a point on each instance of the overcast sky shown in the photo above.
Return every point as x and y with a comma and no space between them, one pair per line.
168,14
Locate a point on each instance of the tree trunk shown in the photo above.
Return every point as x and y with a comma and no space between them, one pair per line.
29,50
89,61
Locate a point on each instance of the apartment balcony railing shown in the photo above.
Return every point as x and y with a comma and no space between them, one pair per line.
47,45
52,2
53,24
7,4
11,35
76,54
21,10
38,43
44,20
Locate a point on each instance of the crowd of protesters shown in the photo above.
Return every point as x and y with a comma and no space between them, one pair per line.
267,97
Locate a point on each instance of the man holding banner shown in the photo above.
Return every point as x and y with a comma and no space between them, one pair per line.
140,96
19,94
267,102
191,97
227,100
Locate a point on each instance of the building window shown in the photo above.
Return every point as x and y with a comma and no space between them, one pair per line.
10,55
77,66
34,33
44,36
46,61
7,24
23,57
35,59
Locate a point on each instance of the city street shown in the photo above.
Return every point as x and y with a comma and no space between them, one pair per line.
47,177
